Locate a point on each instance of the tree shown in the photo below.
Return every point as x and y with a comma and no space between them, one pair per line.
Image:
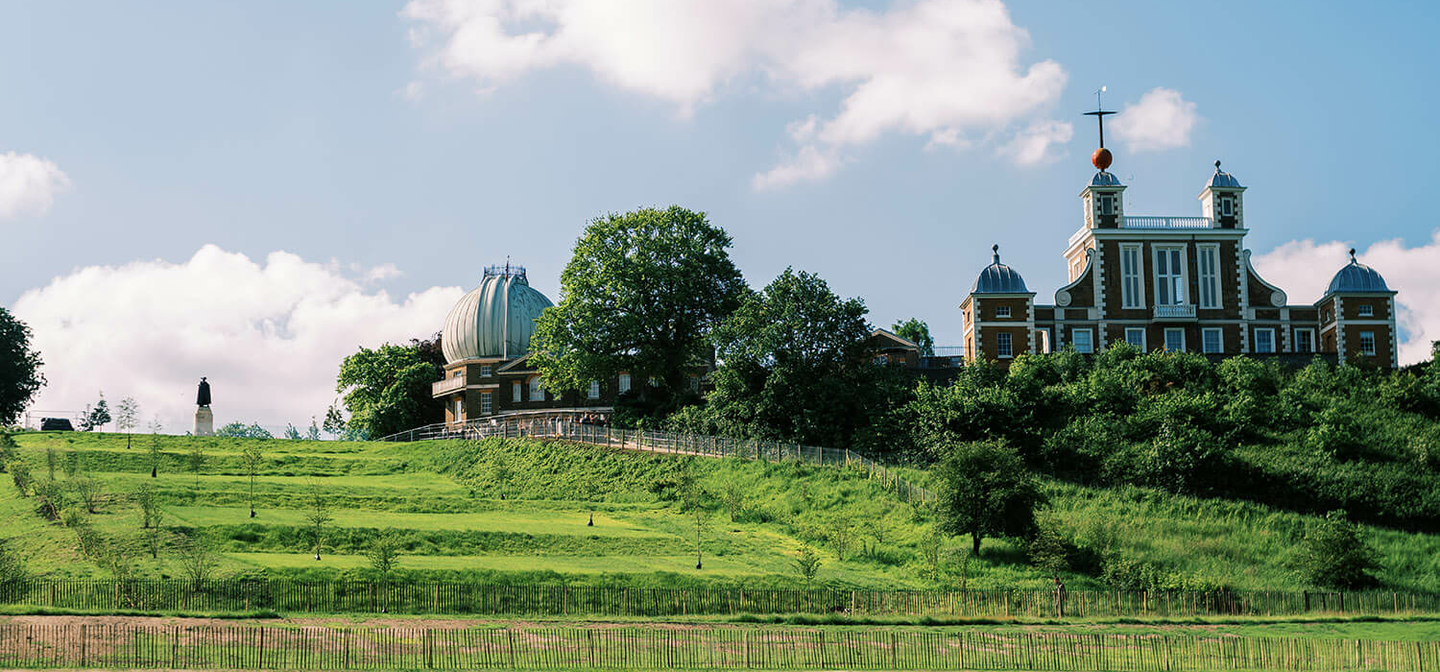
317,516
387,390
734,493
127,415
149,504
292,432
240,430
640,295
153,538
1335,554
313,433
197,559
90,492
916,330
334,422
20,475
252,458
986,491
384,554
796,365
20,375
807,564
1049,550
841,534
154,454
195,459
99,415
932,548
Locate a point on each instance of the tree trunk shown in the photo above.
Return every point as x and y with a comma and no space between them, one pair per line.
975,544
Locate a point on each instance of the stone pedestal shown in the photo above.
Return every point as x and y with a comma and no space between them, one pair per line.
204,422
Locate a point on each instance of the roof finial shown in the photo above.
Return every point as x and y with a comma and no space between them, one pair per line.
1217,165
996,250
1352,254
1101,158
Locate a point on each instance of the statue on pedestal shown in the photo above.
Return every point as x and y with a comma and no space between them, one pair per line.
204,419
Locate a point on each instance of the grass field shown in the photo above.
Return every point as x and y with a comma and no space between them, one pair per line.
519,511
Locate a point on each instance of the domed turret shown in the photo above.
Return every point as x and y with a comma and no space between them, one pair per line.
1223,179
1357,277
495,319
997,278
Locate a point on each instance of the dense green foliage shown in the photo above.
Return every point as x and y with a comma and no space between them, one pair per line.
20,376
986,491
1337,555
795,366
917,331
239,430
387,390
1312,440
640,295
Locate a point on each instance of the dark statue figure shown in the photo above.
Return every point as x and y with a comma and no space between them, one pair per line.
202,398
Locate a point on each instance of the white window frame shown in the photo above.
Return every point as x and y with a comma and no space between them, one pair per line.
1209,285
1311,341
1174,330
515,394
487,405
1004,345
1129,331
1132,274
594,391
1089,335
486,370
1273,346
1002,311
459,408
1367,343
1181,292
1075,268
624,383
1042,337
1365,310
1219,341
1227,206
1107,204
537,390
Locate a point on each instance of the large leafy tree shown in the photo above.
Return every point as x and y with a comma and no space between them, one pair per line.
795,365
986,491
387,389
20,376
916,330
640,295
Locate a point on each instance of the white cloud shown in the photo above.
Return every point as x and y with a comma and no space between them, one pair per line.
1040,143
1163,119
28,184
924,67
270,336
1303,269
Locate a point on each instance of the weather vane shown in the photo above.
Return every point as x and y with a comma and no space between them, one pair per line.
1102,157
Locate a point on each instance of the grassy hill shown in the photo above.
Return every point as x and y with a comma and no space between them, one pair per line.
518,511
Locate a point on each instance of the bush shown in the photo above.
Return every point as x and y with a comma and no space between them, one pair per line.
1335,554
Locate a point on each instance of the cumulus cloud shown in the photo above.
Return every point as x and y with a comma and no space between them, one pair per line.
270,335
1041,142
931,68
28,184
1163,119
1303,269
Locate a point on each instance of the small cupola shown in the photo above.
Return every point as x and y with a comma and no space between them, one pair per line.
1221,201
997,278
1356,277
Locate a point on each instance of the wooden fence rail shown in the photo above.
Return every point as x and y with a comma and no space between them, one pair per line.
328,648
290,596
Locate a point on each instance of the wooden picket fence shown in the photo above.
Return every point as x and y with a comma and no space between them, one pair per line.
289,596
329,648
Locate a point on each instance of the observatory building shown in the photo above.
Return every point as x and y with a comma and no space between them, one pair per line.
486,343
1178,284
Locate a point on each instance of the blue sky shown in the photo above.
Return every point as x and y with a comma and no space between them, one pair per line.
357,137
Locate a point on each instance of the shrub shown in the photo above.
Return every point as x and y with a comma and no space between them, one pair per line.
1335,554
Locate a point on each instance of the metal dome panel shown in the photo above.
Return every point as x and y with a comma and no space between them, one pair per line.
1357,277
1104,179
496,319
997,278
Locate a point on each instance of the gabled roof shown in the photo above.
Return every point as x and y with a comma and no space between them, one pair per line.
899,341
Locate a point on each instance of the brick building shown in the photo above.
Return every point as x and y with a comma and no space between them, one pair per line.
1176,283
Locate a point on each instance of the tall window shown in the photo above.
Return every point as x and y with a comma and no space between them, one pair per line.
537,390
1131,289
1212,341
515,391
459,408
1367,342
1304,340
1207,259
1135,336
1002,311
1169,276
1265,341
485,404
1082,340
1003,346
1107,204
1175,340
624,383
594,390
1227,206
